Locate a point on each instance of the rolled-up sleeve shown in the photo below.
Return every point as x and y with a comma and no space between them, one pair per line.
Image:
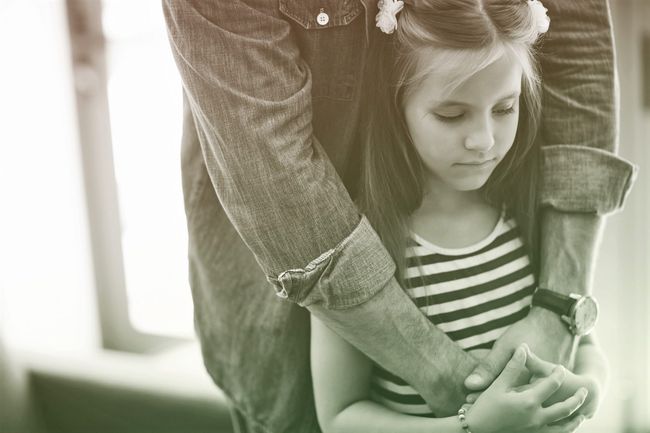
580,169
249,91
359,261
582,179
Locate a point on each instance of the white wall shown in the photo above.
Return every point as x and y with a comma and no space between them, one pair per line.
623,270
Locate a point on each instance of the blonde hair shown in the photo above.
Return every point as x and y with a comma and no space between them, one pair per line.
460,37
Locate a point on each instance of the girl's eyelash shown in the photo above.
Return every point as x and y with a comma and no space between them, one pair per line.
502,112
509,110
447,118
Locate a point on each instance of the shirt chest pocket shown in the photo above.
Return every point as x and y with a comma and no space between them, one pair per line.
331,38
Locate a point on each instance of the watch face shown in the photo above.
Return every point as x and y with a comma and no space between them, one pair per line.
585,315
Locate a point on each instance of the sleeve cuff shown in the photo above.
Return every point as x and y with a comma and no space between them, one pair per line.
344,276
584,179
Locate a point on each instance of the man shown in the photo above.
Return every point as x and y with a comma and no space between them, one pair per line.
269,164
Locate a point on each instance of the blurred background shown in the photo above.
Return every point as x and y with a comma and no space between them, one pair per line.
96,329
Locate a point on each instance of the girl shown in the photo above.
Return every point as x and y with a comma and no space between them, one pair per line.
448,182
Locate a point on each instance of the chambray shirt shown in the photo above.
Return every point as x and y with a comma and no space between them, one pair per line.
269,162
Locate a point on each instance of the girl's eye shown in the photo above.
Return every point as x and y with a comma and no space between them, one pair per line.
447,118
505,111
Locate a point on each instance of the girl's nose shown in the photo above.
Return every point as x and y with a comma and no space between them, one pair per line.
481,139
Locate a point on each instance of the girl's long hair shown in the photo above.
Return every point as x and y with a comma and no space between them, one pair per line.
451,31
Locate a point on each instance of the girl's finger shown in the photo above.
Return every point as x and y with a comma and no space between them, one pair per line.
568,426
564,409
472,397
537,366
541,390
513,370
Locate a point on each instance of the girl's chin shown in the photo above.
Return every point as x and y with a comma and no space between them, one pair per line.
465,183
469,184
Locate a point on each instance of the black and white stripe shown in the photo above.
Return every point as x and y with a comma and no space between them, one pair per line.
472,294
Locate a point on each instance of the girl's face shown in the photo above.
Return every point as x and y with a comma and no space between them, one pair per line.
462,136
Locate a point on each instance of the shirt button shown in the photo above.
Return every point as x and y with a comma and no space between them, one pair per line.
322,18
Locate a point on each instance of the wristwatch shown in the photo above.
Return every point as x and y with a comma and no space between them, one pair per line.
579,312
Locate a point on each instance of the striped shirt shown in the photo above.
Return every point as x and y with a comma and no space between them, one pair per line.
472,294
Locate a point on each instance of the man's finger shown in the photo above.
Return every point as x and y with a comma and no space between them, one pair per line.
488,369
546,387
564,409
479,353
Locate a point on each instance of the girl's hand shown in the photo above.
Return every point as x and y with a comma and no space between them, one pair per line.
572,382
511,394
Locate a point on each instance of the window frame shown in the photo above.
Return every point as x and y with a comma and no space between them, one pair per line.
89,70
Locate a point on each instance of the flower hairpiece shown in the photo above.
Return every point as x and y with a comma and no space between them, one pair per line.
386,19
542,21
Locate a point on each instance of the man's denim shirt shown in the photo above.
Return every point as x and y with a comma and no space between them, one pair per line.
269,156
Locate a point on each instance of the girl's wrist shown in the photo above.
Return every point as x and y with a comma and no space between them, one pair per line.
466,426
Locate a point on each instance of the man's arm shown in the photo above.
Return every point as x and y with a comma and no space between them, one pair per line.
581,177
249,91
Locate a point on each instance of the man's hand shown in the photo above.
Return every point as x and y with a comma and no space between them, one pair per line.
542,330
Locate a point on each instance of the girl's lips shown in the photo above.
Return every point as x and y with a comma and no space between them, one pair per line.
477,163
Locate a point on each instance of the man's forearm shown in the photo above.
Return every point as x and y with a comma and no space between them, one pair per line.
389,327
569,243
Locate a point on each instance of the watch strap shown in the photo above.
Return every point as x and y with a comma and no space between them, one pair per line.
554,301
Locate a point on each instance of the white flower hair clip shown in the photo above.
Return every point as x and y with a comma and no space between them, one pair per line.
386,19
542,21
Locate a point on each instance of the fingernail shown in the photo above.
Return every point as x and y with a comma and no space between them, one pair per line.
474,378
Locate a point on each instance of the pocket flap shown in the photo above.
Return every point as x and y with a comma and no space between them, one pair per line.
305,12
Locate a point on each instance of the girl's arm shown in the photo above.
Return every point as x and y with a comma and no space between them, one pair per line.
341,379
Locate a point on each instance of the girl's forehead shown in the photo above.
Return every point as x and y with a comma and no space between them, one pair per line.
462,83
